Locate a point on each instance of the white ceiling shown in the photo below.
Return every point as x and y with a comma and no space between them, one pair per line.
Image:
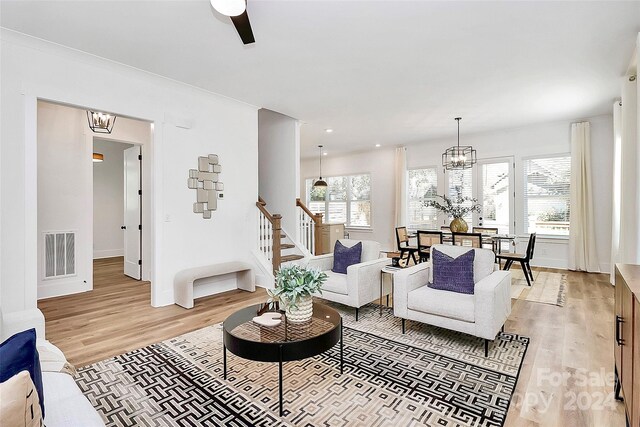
388,72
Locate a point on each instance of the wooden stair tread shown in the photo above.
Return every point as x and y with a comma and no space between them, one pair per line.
288,258
287,246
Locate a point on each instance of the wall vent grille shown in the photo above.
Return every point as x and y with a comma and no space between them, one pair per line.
59,254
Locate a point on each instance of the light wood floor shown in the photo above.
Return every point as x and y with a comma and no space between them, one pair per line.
117,317
553,389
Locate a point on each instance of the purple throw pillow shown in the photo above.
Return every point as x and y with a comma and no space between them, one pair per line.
343,256
453,274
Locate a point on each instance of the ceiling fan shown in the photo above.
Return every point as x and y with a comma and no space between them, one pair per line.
237,11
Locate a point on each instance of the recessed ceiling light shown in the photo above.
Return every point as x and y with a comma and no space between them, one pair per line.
377,145
328,130
325,153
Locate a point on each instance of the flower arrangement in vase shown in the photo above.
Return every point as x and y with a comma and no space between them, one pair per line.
294,288
456,207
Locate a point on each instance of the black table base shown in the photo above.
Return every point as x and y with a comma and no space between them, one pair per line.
286,351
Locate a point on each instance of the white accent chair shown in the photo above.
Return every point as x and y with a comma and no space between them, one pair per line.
361,284
481,314
65,405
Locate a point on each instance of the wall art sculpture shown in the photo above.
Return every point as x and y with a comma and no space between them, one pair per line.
206,181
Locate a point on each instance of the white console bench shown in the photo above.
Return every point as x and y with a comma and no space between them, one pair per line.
184,280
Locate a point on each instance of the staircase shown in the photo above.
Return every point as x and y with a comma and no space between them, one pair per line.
289,252
274,244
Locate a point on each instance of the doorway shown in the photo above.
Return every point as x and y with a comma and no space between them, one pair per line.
117,205
495,191
79,221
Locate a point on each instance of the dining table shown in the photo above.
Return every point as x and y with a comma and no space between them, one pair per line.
495,239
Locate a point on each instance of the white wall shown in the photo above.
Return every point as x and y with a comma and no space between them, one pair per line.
108,199
64,187
188,122
278,165
541,139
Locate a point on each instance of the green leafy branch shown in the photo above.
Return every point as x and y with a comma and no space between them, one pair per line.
456,207
294,282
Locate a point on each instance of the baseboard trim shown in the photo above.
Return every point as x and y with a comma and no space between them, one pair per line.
549,263
51,290
108,253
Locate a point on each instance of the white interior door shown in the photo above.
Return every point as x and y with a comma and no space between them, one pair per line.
132,210
495,191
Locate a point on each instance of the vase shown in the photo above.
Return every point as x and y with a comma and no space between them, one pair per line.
458,225
303,312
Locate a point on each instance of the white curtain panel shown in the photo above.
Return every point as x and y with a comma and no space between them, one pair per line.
582,232
401,186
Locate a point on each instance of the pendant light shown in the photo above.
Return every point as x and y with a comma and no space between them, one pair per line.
100,122
459,157
320,183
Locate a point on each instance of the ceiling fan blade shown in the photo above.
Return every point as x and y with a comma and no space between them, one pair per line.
243,26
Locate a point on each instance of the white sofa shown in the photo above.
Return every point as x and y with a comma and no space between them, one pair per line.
481,314
64,403
361,284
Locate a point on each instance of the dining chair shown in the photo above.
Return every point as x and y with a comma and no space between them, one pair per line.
488,240
523,259
446,236
402,238
472,240
426,239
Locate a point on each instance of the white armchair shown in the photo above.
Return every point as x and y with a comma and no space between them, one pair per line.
481,314
361,284
65,404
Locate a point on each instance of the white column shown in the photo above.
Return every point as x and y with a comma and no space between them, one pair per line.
617,183
630,177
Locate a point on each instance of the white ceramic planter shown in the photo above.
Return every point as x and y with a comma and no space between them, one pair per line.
303,312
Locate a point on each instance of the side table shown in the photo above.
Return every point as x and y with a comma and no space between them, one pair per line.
391,271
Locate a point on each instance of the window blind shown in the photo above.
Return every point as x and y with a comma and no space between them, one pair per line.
347,199
546,195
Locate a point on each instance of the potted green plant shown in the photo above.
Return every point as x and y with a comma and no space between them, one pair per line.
294,288
456,207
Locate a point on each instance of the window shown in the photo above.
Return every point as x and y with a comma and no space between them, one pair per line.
347,199
546,195
422,186
360,201
494,190
460,183
337,199
316,198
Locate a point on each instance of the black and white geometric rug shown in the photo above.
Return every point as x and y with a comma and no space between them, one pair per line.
429,376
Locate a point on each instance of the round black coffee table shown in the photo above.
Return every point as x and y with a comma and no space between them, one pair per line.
283,343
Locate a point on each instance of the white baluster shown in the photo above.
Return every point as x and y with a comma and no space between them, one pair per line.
312,232
259,242
269,241
262,232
